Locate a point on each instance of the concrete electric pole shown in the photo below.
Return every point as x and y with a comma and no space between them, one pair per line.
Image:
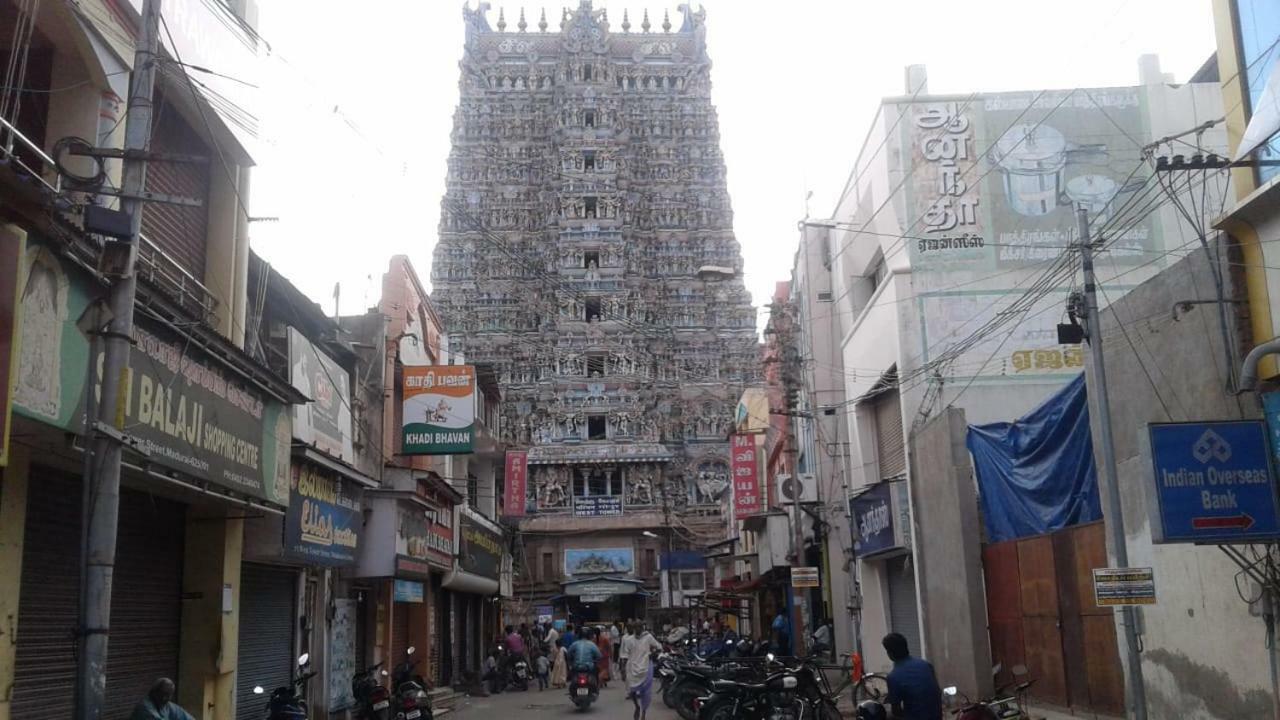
1137,695
108,430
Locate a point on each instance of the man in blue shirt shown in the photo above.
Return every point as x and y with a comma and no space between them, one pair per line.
584,654
569,636
913,686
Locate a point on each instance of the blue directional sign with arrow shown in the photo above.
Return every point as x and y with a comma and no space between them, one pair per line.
1214,482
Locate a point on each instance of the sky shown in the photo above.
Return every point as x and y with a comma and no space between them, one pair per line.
357,107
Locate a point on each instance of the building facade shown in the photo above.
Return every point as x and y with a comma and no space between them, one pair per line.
941,276
586,252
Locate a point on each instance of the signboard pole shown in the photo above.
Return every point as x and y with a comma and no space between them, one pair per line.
1108,477
100,549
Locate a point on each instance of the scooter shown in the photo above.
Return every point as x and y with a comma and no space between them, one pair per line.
373,700
412,702
287,703
520,674
584,688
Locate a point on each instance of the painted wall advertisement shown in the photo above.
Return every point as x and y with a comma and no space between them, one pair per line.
439,410
11,251
323,522
599,561
479,547
422,545
342,653
996,180
515,491
325,422
746,480
188,414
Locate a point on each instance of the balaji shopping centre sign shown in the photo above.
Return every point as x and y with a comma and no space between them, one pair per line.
439,406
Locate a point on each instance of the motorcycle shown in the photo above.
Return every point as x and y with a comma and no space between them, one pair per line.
773,699
411,699
584,688
286,702
520,673
373,701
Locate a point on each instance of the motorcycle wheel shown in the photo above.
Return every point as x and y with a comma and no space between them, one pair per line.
668,698
684,696
719,709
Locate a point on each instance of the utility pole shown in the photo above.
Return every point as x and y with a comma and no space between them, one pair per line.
1109,477
108,432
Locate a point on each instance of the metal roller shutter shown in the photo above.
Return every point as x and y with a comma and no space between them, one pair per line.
890,448
146,604
266,635
178,230
146,607
45,666
904,618
399,633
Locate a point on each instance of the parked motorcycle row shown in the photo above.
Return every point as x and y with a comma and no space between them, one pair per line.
745,681
408,698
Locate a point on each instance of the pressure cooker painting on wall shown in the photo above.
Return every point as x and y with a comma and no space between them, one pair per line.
1051,152
994,180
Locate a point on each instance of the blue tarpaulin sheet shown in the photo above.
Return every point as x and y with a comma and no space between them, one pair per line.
1036,474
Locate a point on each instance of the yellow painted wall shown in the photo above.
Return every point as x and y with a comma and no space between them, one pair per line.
1245,182
210,638
13,513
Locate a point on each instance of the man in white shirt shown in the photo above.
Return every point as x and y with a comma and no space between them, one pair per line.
638,647
552,637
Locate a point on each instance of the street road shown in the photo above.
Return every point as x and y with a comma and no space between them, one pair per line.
611,705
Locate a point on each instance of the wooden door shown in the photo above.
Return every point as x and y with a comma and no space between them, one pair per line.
1041,622
1041,614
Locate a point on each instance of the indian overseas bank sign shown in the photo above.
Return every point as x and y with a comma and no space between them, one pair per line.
439,410
1214,483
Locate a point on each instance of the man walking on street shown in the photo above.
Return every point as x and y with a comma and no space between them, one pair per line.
639,651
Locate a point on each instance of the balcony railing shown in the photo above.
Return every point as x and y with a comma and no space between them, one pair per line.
12,136
163,272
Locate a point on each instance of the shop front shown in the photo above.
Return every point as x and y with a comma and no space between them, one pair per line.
209,433
291,577
474,584
408,550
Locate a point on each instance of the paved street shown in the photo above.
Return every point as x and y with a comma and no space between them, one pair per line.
612,705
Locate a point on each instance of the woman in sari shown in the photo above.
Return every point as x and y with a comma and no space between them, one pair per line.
559,668
606,652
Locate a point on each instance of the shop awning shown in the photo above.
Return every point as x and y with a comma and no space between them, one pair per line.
346,471
599,454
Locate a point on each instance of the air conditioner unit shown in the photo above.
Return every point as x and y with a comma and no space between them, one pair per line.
802,488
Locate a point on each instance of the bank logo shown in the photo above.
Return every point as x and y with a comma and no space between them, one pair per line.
1211,446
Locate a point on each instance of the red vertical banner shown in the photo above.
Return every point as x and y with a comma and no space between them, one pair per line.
516,482
746,482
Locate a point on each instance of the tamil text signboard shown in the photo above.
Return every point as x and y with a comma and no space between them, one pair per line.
804,577
872,513
325,422
745,470
1213,482
439,410
597,505
323,522
422,545
1124,586
516,479
407,591
188,411
479,547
